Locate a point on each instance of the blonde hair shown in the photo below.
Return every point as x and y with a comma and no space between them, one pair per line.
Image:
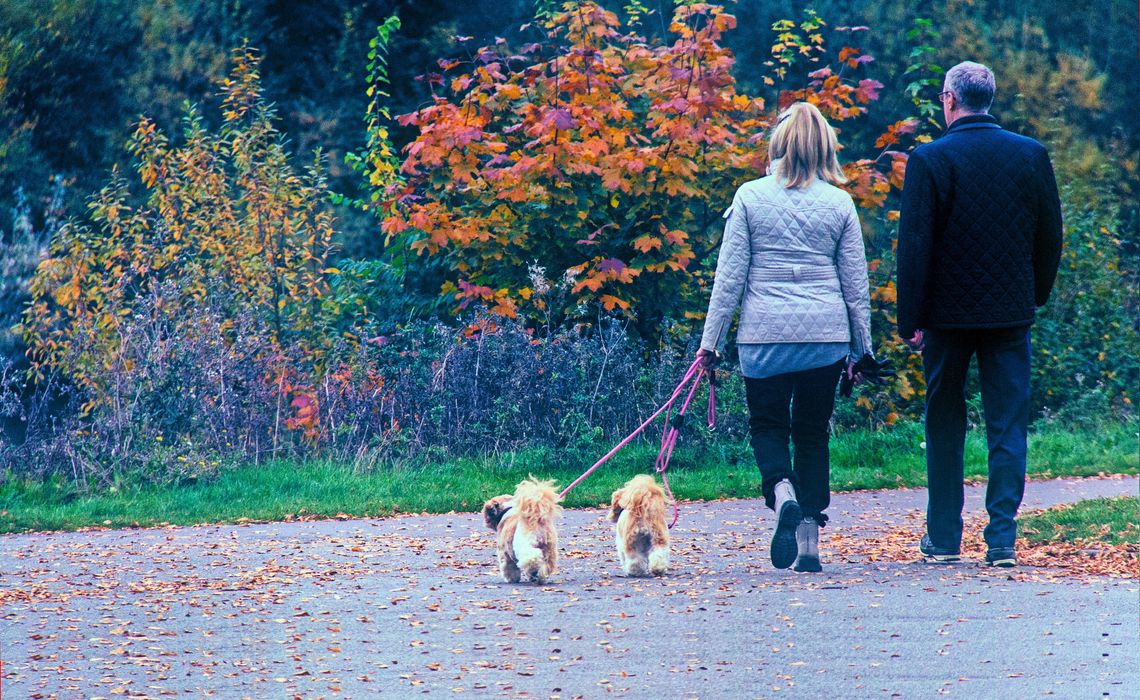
803,146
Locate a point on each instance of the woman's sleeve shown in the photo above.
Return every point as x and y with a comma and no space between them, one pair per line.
851,262
731,273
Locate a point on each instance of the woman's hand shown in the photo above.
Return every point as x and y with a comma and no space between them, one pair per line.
866,369
708,359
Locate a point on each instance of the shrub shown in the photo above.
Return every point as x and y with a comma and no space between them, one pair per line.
601,155
178,321
184,398
1085,364
226,217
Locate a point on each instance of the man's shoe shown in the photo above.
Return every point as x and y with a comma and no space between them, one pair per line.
788,517
1004,557
938,554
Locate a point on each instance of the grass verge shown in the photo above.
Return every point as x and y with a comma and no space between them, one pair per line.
1113,521
289,490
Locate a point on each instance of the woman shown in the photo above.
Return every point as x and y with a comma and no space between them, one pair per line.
793,250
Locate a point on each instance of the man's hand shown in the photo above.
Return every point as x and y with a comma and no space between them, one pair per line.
917,342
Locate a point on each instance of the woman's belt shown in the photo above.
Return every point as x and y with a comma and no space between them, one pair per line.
794,273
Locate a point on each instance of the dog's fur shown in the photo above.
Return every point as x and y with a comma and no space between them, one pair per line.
638,508
527,538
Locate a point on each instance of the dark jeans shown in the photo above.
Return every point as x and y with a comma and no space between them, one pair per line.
1003,368
796,405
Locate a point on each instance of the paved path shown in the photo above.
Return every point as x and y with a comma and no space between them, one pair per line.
410,606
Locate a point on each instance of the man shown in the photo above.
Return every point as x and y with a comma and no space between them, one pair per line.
979,245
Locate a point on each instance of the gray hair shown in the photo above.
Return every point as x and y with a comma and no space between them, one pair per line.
972,85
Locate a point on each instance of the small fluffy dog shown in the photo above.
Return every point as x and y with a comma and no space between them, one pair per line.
527,540
638,508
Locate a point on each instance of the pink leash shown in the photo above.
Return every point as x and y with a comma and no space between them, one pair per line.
672,429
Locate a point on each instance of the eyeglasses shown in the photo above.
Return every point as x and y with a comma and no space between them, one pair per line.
942,95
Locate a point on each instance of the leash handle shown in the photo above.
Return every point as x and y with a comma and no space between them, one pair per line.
712,401
673,430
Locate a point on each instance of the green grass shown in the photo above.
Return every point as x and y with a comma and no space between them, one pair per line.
895,458
275,491
1109,520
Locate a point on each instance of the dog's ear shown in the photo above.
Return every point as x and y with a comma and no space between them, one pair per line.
493,511
615,505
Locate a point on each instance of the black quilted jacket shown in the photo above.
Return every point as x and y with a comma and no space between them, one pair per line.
980,230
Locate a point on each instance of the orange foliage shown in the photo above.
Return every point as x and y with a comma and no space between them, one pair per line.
604,156
607,160
598,154
225,218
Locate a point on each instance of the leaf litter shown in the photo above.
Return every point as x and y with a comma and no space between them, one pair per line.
121,611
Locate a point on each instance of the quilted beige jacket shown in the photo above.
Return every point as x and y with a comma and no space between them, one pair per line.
793,260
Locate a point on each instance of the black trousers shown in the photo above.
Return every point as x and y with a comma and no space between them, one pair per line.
794,409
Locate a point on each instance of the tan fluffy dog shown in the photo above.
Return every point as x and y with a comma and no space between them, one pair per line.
527,539
638,508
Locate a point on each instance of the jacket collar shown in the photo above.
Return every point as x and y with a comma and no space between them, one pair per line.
973,121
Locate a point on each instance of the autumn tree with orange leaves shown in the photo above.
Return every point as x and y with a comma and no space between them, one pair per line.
604,162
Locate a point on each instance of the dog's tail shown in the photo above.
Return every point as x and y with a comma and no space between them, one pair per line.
644,499
536,503
536,541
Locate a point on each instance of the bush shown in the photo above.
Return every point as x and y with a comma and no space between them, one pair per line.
227,221
495,386
608,157
1085,364
184,398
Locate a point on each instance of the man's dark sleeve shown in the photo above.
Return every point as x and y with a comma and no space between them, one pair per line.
1047,241
916,236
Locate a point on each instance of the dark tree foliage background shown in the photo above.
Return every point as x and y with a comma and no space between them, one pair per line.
76,76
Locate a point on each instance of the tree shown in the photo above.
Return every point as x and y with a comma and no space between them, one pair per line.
605,160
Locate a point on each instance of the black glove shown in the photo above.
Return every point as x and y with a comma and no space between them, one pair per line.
869,369
711,359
